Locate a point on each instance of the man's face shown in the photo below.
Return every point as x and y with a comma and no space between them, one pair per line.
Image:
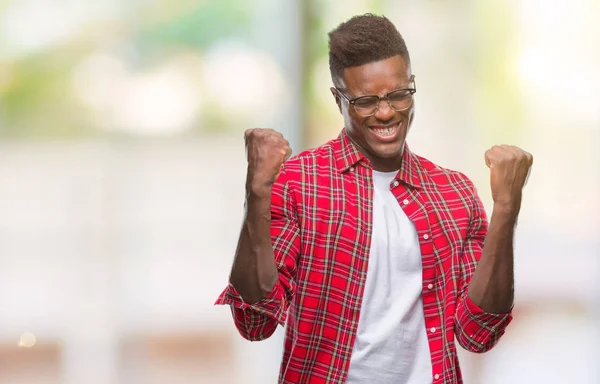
380,137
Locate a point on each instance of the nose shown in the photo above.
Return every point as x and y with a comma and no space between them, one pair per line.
385,111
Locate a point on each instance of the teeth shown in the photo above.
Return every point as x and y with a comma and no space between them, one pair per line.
385,131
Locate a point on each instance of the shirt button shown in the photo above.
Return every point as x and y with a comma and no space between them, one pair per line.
426,236
395,183
437,377
405,202
351,169
433,330
430,286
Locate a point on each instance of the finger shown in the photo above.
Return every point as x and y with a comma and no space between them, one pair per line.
518,152
275,133
270,132
248,132
526,156
529,158
499,153
519,156
288,153
527,177
488,158
523,156
521,152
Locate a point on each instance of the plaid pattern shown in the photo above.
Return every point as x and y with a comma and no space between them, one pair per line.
321,232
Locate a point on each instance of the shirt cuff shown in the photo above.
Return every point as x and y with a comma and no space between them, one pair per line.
271,306
492,322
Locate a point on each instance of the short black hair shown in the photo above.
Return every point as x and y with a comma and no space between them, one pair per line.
364,39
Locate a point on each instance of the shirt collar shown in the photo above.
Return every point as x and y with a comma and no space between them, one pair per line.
348,156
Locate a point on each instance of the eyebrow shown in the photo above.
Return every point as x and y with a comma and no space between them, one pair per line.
397,88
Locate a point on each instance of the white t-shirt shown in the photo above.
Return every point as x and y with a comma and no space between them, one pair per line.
391,345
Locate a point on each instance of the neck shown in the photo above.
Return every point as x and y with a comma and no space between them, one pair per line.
381,164
386,165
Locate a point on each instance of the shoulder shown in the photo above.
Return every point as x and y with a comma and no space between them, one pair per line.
449,189
444,179
309,160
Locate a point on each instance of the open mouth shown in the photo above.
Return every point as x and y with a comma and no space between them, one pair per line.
386,132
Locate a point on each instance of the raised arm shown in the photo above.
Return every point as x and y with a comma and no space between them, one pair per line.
484,308
254,271
262,280
491,287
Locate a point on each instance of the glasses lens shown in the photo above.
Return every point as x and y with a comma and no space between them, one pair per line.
366,105
400,100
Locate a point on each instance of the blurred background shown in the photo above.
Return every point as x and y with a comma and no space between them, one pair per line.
122,172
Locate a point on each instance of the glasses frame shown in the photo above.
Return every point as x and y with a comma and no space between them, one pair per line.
353,101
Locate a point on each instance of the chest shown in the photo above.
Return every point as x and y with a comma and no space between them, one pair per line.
395,248
339,219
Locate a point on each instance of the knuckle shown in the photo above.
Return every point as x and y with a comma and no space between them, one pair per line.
257,133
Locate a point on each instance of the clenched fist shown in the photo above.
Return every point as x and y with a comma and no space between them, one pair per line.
509,170
266,150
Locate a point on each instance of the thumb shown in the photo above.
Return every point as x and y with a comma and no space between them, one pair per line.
287,154
527,177
488,159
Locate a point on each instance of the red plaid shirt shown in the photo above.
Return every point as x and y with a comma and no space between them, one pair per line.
321,231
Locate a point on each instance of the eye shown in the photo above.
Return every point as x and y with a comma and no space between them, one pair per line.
365,102
399,95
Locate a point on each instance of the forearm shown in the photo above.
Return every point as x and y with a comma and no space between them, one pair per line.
492,285
254,271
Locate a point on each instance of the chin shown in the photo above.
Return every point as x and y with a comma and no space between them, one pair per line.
388,151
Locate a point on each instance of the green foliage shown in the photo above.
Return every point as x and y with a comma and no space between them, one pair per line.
38,101
200,26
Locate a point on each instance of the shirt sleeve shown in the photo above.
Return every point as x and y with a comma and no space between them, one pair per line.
258,321
476,330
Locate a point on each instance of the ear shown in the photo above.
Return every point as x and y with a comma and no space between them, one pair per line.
336,96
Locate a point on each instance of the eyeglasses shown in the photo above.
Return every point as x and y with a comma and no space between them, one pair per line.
398,100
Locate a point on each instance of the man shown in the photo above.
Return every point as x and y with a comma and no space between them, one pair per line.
373,255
